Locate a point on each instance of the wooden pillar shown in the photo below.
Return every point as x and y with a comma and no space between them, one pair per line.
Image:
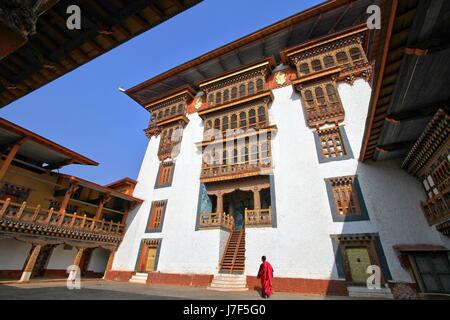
72,188
76,262
125,217
219,202
103,201
26,274
10,157
256,199
112,254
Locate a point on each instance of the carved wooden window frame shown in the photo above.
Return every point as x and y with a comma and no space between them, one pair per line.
156,216
165,174
236,88
261,117
168,146
343,191
339,139
321,109
318,54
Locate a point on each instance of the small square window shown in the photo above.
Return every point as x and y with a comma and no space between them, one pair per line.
332,144
346,201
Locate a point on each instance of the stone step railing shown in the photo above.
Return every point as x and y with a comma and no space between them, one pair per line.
258,217
36,215
217,220
437,208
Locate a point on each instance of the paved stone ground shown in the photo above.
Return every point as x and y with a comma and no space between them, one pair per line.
106,290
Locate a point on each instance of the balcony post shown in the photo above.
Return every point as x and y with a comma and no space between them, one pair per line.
256,199
76,262
10,157
103,201
26,274
219,202
71,190
112,254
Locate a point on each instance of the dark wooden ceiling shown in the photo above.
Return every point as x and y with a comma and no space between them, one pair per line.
412,83
55,50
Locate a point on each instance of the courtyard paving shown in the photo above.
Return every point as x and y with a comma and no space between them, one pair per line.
106,290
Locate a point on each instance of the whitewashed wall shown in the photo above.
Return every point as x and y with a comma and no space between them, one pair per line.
301,245
13,254
61,259
98,261
183,250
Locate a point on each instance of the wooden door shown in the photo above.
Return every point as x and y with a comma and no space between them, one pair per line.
150,259
42,261
358,259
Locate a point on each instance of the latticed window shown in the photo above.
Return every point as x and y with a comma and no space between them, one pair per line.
355,54
251,88
331,143
259,84
328,61
156,215
342,57
304,68
234,93
165,174
316,65
226,95
242,90
345,196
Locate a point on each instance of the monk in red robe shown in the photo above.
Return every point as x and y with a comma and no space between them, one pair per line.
266,275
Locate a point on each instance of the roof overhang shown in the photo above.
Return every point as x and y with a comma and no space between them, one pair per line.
410,72
316,22
41,151
32,59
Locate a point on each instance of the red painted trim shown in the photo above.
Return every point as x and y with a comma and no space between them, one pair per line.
304,286
191,280
118,275
10,274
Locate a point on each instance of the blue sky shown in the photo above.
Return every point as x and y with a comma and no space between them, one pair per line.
84,111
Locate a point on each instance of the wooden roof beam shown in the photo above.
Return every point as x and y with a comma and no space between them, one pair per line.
397,146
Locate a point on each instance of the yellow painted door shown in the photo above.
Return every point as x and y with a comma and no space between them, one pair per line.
358,261
150,263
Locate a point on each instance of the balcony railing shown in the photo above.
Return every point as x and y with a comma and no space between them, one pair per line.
324,112
214,171
50,218
216,220
258,217
437,208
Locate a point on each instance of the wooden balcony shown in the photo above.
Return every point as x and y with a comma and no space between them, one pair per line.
325,113
258,217
216,220
22,218
437,208
232,171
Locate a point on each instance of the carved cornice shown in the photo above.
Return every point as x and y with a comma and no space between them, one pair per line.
38,230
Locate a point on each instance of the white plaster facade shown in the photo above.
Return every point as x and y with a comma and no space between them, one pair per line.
300,245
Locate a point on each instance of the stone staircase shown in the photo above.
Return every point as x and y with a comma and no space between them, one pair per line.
364,292
139,277
228,282
233,260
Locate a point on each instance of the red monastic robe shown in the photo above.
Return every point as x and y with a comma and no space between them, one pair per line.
266,275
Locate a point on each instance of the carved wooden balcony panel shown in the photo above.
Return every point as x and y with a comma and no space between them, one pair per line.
258,217
234,171
437,208
21,218
216,220
236,85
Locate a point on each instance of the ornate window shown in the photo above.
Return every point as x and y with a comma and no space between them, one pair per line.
165,174
322,103
342,57
332,144
304,69
328,61
316,65
242,90
259,84
156,217
346,199
234,93
253,116
170,143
